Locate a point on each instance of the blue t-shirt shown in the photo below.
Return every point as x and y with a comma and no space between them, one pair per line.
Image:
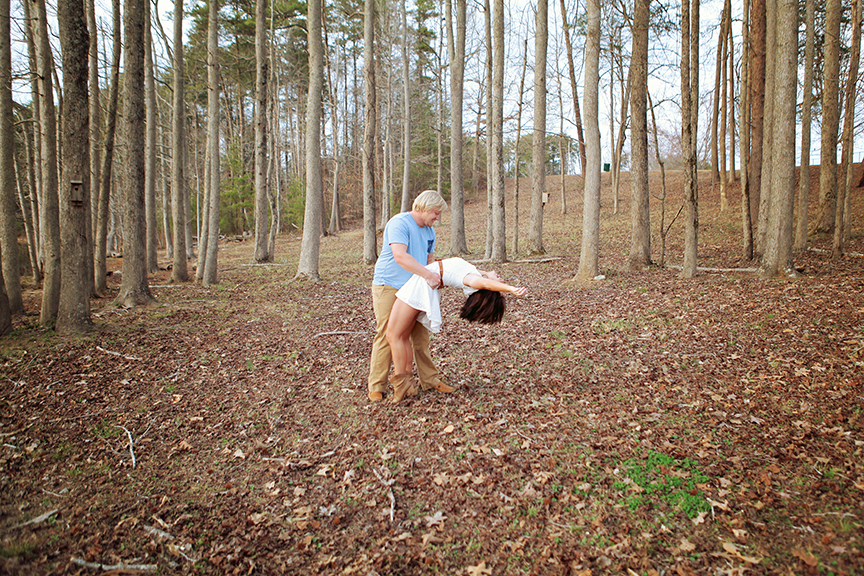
402,229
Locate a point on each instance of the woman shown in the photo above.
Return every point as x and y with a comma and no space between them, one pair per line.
417,302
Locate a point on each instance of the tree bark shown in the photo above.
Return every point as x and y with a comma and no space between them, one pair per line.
640,219
800,242
134,289
538,157
308,264
370,131
211,262
95,136
100,269
767,125
34,140
25,183
757,108
179,271
744,134
588,258
844,179
489,128
73,314
516,169
499,235
150,148
830,118
458,242
577,113
406,117
724,104
689,115
262,220
8,219
50,208
777,258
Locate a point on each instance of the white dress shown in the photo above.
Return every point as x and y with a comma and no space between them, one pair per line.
417,293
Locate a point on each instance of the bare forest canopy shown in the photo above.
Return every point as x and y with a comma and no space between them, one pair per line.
155,131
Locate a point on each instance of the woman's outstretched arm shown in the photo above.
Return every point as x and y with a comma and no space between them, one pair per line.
479,282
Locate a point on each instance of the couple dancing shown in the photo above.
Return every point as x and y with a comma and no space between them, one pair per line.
406,299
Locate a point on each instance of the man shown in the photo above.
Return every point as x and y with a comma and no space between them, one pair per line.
409,245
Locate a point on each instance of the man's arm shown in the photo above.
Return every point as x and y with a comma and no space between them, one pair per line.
409,263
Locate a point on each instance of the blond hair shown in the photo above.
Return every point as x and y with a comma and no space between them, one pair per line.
429,200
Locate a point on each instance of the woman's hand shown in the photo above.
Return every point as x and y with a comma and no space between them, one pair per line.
520,290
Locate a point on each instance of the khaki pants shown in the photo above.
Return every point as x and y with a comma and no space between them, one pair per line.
383,298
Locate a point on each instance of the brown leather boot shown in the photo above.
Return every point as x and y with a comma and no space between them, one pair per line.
403,385
439,386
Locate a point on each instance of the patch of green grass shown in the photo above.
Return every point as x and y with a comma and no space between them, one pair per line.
602,327
104,429
16,549
663,478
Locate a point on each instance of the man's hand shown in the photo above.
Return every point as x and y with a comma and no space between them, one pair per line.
433,279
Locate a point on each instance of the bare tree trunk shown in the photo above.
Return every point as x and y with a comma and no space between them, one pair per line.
562,140
439,115
34,140
577,113
768,126
262,221
308,265
619,143
689,114
179,271
211,262
662,164
730,67
458,242
406,117
489,128
8,220
844,189
100,268
24,199
538,159
715,108
744,134
50,202
134,289
370,130
73,314
830,118
150,148
588,258
499,235
95,137
640,218
778,238
724,103
335,216
806,128
757,110
516,170
166,193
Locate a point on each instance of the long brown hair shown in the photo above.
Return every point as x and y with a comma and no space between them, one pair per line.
484,306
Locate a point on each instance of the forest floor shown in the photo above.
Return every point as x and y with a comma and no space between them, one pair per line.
640,425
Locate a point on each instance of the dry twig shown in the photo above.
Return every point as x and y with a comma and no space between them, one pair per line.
112,353
131,450
39,519
115,567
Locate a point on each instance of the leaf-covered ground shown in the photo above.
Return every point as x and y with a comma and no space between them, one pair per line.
641,425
